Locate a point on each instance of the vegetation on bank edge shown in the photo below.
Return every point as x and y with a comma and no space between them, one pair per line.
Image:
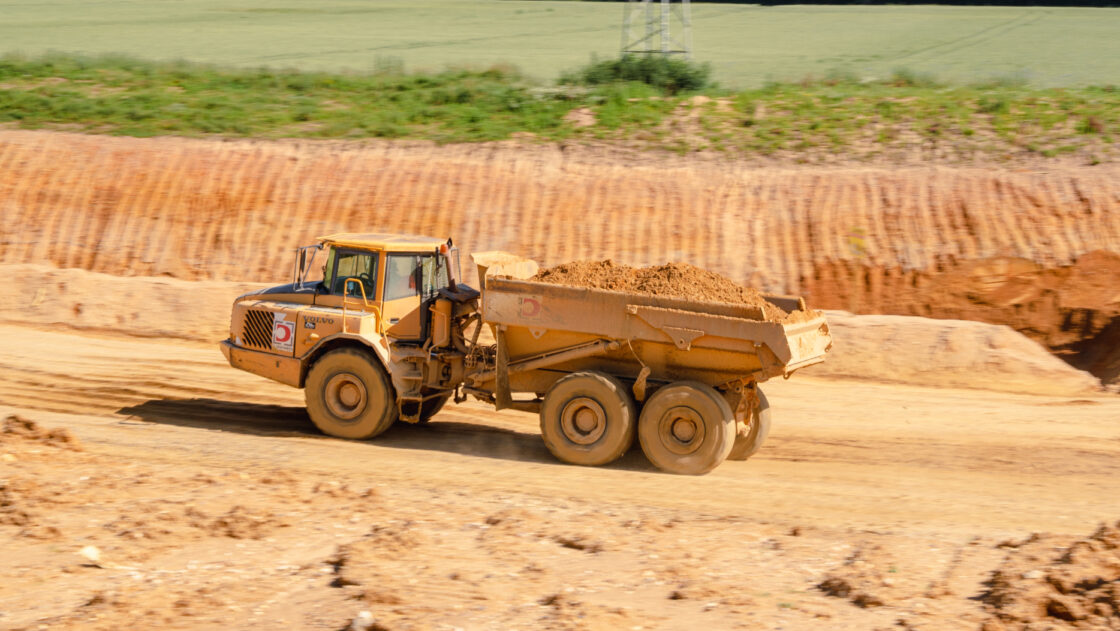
829,116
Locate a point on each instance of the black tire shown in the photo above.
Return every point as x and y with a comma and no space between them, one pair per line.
349,395
750,435
686,427
431,407
588,418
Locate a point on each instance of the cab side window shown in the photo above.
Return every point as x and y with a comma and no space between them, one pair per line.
400,276
359,265
410,275
433,275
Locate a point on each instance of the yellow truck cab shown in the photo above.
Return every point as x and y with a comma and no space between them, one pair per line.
383,302
395,274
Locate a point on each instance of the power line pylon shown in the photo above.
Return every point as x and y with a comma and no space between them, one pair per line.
654,29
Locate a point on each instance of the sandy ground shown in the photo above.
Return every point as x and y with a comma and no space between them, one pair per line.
213,502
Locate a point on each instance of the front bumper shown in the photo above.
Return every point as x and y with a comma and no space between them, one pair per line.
286,370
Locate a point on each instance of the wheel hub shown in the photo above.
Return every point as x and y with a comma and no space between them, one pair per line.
684,430
583,421
345,396
349,394
681,430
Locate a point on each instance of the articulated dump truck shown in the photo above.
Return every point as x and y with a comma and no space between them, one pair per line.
390,333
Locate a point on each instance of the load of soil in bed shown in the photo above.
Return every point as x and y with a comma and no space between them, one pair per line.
671,280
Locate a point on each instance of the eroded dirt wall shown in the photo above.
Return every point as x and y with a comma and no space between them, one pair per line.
974,243
206,209
1072,309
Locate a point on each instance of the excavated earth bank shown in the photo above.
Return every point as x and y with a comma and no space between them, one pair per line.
996,244
1074,310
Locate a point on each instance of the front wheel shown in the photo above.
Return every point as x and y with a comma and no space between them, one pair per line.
587,418
686,427
349,395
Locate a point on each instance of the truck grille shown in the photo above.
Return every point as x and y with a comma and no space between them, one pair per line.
258,328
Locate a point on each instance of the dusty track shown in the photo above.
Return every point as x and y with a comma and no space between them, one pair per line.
212,488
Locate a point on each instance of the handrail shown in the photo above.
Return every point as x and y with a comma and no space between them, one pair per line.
366,304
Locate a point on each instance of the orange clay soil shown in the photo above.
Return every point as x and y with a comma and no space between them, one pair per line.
1069,582
671,280
232,210
1074,310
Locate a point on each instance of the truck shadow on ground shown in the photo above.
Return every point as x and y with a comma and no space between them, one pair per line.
449,436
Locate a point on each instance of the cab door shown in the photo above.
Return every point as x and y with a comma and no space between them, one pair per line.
411,282
343,265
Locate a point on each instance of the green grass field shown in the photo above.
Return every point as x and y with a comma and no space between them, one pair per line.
803,121
747,45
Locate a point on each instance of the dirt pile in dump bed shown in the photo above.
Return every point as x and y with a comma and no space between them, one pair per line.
671,280
1052,582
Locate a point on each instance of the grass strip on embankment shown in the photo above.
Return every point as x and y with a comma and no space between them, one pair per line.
815,120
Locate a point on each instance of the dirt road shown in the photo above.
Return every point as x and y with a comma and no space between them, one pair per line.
213,501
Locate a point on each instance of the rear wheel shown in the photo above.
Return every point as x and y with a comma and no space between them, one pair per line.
588,418
687,428
752,433
349,395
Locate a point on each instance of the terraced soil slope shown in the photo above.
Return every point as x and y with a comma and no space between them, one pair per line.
853,238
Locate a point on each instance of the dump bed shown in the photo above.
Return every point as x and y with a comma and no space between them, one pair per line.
711,342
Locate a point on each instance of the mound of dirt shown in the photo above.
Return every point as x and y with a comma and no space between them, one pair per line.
947,353
11,511
144,307
19,428
671,280
1074,310
1051,582
869,578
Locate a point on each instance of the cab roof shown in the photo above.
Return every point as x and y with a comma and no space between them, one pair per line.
383,241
